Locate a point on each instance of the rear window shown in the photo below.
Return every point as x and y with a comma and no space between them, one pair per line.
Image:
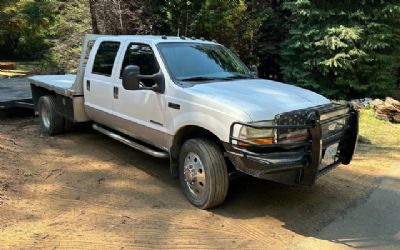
105,57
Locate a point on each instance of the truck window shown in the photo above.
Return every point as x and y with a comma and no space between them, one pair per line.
105,57
191,60
141,55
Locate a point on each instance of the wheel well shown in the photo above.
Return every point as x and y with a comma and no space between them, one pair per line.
64,105
184,134
38,92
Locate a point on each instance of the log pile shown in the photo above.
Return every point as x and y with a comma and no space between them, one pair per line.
388,110
7,65
8,69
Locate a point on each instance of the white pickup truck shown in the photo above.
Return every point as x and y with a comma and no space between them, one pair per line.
194,102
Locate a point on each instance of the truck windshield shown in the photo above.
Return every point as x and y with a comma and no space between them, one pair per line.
197,62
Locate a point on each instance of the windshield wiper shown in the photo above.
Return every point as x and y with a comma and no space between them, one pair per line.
209,78
199,78
238,76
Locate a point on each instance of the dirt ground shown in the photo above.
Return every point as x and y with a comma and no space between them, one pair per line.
84,190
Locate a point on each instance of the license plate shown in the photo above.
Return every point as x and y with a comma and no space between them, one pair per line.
329,156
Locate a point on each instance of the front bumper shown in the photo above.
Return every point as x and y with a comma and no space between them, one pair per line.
300,162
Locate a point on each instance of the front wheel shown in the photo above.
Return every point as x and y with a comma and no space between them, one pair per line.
203,173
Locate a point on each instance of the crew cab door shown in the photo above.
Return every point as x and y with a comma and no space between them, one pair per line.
98,81
139,113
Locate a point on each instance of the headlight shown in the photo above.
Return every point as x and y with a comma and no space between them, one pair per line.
259,136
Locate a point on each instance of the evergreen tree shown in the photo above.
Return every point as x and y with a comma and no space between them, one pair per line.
343,48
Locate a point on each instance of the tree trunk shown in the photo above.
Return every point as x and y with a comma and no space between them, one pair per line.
92,7
121,25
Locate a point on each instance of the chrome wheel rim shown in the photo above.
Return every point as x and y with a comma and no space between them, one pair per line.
45,116
193,171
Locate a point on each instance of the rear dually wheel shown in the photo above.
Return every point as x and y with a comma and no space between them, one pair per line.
50,121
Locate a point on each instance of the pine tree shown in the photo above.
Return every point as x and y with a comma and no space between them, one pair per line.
343,48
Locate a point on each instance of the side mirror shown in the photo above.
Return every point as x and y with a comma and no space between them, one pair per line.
131,80
254,70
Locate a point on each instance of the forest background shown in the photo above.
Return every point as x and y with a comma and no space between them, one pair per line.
341,48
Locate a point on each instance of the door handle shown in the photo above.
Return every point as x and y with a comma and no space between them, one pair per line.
88,85
115,92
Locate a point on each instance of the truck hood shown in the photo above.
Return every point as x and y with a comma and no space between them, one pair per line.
260,99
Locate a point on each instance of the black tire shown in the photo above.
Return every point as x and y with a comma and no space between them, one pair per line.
68,125
50,122
213,192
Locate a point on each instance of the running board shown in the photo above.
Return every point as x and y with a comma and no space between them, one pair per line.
131,143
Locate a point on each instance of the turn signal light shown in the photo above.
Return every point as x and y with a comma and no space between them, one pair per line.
265,140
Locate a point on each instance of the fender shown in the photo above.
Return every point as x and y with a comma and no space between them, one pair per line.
205,121
196,124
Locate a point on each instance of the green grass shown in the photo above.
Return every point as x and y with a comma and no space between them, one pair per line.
379,131
384,150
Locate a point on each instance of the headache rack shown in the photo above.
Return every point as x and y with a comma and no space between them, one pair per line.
325,125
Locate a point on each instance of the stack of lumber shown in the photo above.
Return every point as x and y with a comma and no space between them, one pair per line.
13,73
8,69
388,110
7,66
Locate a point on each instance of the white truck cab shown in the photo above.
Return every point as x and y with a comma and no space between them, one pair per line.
194,102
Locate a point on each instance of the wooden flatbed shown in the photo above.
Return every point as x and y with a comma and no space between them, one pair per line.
15,93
